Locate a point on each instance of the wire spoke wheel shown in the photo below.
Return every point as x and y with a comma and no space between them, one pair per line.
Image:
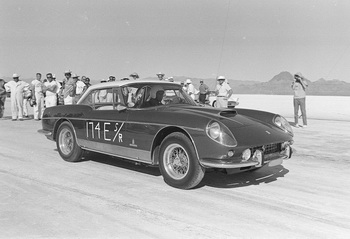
66,141
179,163
176,161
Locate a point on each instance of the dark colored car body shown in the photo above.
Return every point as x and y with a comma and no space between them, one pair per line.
184,135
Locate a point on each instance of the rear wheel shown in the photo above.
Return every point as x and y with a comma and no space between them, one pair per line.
178,162
67,144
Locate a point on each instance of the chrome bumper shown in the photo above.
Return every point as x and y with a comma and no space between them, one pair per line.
271,159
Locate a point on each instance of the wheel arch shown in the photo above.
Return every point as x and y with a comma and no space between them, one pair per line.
57,125
160,136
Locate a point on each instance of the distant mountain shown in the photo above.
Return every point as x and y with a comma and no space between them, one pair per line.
279,85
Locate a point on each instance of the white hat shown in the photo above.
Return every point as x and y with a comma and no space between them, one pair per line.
188,81
15,75
68,72
221,78
75,76
160,73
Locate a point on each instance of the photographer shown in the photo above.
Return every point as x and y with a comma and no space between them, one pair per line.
299,86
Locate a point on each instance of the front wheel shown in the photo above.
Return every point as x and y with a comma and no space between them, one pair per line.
67,144
179,163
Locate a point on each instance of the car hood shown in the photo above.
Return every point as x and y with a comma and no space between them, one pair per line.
231,115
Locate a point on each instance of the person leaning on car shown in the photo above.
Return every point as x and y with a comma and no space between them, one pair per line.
223,92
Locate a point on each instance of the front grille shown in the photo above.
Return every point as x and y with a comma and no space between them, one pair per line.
269,148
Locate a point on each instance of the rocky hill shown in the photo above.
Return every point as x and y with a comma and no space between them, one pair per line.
279,85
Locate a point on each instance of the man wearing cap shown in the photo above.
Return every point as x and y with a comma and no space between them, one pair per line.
223,92
190,89
299,86
134,75
38,97
203,92
160,76
50,88
70,89
16,87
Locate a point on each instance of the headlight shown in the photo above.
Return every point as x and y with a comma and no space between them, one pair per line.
221,134
282,123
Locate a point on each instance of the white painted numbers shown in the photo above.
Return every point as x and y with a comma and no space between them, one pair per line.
107,131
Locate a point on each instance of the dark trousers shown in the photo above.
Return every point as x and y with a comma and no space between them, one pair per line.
202,98
2,105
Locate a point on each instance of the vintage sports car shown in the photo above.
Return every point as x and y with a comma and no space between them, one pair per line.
157,123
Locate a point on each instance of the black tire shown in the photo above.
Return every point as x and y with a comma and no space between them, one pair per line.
67,144
184,172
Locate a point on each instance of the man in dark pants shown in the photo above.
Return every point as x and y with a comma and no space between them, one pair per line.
2,97
203,91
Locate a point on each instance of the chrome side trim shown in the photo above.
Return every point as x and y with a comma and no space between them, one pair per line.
138,155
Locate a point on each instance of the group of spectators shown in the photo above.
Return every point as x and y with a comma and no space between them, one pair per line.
41,93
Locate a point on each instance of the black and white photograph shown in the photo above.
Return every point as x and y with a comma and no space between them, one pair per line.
174,119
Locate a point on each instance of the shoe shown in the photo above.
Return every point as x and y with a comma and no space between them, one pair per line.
305,125
37,119
26,116
296,126
14,119
20,119
300,126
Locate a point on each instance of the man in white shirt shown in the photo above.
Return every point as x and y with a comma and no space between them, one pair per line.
38,96
190,89
223,92
81,87
50,87
16,87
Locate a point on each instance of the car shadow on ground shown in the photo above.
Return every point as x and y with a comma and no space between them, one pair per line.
264,175
122,163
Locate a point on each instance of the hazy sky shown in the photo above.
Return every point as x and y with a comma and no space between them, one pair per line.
243,40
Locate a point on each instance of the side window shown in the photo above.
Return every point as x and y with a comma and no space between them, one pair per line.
103,99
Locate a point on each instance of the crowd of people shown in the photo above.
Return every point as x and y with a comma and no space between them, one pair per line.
48,92
41,93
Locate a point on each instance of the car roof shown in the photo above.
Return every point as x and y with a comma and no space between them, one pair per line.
127,82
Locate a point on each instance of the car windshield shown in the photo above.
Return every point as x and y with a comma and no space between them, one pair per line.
137,95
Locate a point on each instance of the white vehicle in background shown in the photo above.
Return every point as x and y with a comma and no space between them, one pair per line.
231,103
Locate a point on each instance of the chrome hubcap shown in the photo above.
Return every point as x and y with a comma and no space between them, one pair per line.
176,161
66,141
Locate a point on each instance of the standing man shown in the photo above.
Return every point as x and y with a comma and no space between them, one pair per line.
81,87
299,100
50,87
16,87
2,97
70,89
190,89
223,92
38,97
160,76
134,75
203,92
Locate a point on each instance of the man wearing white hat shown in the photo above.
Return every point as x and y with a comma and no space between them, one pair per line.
160,76
190,88
70,89
223,92
16,87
